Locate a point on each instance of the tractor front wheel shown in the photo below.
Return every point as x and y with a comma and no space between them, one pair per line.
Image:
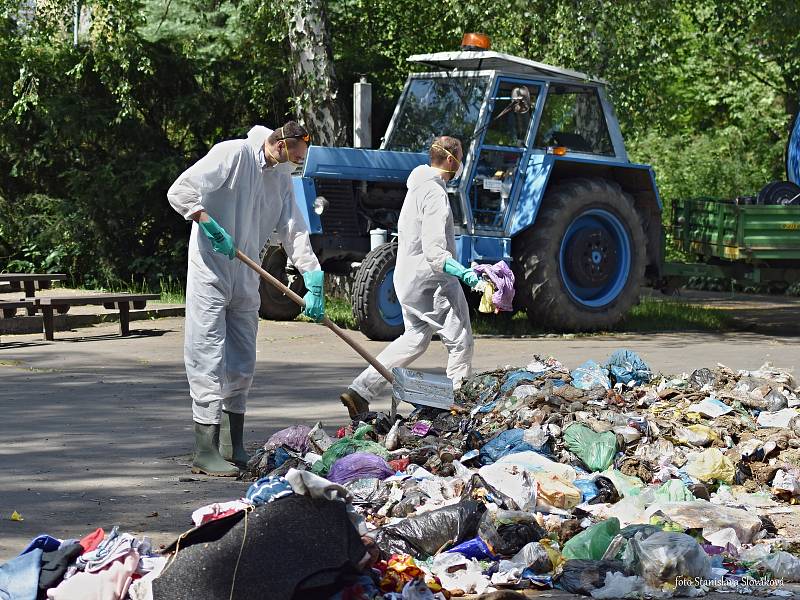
581,266
275,305
375,305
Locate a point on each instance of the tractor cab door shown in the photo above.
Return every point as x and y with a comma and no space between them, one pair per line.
495,168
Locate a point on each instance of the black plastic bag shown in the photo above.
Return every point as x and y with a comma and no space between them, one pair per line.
424,535
606,492
585,576
479,483
507,531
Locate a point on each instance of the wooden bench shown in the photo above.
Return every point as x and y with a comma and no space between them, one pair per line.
121,302
9,307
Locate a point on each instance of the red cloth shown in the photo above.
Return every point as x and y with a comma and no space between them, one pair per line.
92,541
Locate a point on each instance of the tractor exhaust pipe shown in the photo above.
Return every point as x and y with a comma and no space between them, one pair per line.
362,114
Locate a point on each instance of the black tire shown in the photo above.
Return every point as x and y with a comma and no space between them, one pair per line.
783,193
542,287
372,273
275,305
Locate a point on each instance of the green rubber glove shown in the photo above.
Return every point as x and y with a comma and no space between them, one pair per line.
221,241
315,297
456,269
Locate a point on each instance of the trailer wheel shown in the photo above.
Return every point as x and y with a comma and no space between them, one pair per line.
276,306
581,266
784,193
375,306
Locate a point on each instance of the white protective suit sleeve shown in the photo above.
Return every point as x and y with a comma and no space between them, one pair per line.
294,235
435,212
206,175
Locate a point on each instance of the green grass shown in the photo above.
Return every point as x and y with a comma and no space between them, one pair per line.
650,315
669,315
172,290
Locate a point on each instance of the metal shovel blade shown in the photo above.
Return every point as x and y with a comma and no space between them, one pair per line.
416,387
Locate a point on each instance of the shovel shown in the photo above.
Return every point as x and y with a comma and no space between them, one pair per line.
410,386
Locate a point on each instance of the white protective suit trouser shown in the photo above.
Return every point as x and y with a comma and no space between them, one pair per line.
432,302
252,202
448,317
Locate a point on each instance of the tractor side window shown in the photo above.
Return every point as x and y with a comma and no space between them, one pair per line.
573,117
512,128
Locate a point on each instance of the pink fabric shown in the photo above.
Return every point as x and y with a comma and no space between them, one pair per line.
109,584
218,510
503,279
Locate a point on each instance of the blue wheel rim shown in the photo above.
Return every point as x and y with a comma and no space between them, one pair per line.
388,305
595,258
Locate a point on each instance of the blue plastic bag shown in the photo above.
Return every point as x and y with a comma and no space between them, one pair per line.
627,367
508,442
474,548
514,378
590,375
587,487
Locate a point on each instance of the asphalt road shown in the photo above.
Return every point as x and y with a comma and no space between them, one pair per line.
96,429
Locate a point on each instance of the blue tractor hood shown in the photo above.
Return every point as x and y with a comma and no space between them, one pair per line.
361,165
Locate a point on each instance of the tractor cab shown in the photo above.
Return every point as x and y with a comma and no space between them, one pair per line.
506,110
547,187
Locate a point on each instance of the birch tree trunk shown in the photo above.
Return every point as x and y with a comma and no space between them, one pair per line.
313,81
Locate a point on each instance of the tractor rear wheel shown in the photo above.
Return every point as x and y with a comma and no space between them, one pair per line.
375,305
581,266
275,305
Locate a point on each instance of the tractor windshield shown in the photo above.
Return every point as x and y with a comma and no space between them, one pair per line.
437,106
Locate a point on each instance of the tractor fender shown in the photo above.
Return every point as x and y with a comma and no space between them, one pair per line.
638,180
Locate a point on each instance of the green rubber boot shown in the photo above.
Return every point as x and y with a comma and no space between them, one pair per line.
207,458
356,405
231,439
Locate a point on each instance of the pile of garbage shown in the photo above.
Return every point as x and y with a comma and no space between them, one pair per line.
608,481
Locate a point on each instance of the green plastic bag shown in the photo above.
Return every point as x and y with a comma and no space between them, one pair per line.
596,450
592,543
627,485
348,445
673,490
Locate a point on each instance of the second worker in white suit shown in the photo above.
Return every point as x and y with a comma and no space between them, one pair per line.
427,279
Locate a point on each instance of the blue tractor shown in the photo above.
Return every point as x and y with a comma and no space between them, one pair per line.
547,187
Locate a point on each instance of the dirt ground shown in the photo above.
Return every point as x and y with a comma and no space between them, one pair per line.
96,429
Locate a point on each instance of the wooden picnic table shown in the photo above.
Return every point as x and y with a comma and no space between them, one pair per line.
28,281
62,304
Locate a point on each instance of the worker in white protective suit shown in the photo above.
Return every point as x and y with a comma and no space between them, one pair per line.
427,279
238,195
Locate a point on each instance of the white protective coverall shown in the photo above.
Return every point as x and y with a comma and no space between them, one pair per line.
250,200
432,301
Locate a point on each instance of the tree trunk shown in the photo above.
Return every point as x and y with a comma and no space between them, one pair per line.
313,81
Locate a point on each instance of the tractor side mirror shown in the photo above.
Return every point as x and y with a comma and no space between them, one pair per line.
521,99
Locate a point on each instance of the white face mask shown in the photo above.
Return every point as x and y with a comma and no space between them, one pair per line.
459,170
287,167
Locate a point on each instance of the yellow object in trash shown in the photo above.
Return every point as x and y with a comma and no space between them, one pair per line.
15,516
710,465
486,305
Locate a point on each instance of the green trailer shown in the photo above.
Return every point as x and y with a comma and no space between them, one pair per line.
735,239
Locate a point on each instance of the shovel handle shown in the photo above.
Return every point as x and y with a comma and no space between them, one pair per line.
325,321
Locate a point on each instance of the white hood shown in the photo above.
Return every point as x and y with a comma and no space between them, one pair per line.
423,174
257,136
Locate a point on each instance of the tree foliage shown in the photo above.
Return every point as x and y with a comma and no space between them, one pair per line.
92,135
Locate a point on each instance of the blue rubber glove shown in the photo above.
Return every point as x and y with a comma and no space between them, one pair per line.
221,241
315,297
456,269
